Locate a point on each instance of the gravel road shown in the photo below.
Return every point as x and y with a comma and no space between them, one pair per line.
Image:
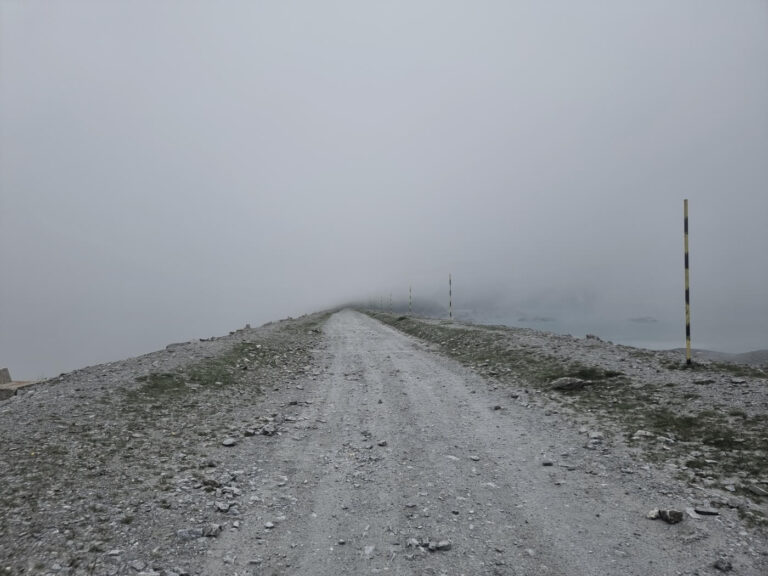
338,444
405,462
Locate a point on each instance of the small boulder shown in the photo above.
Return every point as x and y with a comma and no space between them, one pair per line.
723,564
268,430
757,490
671,516
212,530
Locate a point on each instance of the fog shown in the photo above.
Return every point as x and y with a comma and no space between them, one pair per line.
174,170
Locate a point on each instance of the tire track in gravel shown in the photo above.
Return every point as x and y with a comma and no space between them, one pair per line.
453,469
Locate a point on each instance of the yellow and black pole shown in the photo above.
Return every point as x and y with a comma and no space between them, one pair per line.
687,288
410,299
450,298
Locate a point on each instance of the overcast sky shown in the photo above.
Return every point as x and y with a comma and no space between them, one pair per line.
172,170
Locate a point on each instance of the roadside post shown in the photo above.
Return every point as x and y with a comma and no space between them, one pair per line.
450,298
687,288
410,299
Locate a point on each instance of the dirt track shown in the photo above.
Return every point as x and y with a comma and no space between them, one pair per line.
400,447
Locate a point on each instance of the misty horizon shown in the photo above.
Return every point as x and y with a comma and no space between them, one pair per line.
244,162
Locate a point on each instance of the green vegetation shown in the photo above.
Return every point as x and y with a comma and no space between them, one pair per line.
736,370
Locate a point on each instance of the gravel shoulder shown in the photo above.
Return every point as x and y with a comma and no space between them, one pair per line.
341,445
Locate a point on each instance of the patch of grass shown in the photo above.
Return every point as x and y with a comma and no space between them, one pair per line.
593,373
160,384
737,370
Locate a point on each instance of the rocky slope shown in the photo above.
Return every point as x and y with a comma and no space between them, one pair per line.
114,469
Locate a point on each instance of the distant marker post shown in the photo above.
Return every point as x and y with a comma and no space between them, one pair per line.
450,298
410,299
687,288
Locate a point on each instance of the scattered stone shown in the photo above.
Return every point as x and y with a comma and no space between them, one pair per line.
341,542
692,513
669,516
642,434
547,463
222,506
738,381
706,511
757,490
268,430
189,533
212,530
443,546
382,443
369,550
474,458
229,442
568,384
269,525
497,407
595,440
137,565
723,564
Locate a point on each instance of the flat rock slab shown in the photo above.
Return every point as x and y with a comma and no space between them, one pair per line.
9,388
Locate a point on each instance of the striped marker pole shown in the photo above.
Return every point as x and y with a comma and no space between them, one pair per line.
687,288
450,298
410,299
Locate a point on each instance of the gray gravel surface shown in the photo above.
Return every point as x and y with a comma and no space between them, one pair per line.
401,452
344,447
